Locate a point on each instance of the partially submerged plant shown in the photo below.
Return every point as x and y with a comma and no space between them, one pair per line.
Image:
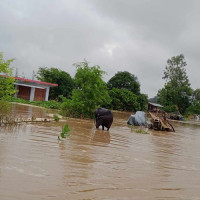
33,118
141,131
132,127
56,118
65,132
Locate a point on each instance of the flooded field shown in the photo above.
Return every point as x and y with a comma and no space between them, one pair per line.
93,164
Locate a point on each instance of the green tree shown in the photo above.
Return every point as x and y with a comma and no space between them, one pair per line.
177,90
6,80
142,99
125,80
62,78
90,92
123,99
194,108
196,95
124,90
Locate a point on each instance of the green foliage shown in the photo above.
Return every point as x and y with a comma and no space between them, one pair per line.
62,78
18,100
65,132
124,90
56,118
196,95
71,108
123,99
90,92
4,110
132,127
142,99
141,131
125,80
171,108
177,90
194,108
52,104
6,83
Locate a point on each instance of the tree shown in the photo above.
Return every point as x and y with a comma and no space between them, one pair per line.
62,78
6,81
123,99
125,80
89,93
142,99
196,95
194,108
177,90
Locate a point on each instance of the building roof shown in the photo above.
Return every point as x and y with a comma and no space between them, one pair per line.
32,81
155,104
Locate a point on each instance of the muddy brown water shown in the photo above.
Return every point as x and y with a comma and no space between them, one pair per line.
93,164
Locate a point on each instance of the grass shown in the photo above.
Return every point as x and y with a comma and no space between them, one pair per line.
141,131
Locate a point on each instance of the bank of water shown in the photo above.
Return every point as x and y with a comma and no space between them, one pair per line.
96,164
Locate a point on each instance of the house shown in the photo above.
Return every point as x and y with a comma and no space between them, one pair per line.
32,90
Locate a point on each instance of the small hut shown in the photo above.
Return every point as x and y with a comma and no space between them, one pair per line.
152,107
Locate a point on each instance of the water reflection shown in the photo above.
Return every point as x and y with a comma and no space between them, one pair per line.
100,137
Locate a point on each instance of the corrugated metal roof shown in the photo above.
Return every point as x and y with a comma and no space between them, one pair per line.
155,104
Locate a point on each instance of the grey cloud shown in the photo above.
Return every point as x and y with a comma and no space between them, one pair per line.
135,36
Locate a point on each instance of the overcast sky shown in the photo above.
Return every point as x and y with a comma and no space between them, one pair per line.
119,35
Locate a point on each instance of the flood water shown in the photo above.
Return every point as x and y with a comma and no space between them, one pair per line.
93,164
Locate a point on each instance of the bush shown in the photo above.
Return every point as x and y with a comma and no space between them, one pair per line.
123,99
4,111
18,100
56,118
52,104
172,108
70,108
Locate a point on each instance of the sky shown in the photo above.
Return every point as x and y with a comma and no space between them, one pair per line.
137,36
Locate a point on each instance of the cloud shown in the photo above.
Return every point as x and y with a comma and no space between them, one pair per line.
136,36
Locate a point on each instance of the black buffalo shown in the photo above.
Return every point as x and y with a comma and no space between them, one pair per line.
103,117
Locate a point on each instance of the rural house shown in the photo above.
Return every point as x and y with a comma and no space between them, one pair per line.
32,90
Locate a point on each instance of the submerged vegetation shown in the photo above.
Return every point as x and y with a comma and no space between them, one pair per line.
56,118
136,130
65,132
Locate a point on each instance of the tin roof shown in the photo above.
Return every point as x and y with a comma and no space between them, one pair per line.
155,104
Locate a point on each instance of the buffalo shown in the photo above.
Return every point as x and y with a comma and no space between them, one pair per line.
103,117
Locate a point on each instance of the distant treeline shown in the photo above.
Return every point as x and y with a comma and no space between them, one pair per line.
87,90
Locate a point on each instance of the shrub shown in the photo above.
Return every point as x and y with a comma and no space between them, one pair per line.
4,111
56,118
172,108
123,99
